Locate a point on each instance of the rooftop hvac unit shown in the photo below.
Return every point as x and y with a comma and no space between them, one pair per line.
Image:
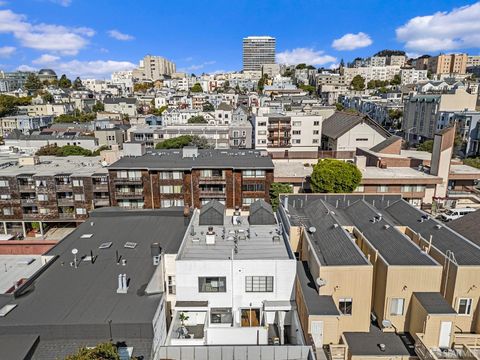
276,238
321,282
210,237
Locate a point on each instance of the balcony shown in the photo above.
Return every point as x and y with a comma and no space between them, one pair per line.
129,195
279,126
26,188
190,331
33,216
101,202
28,202
212,193
212,180
128,181
65,201
100,187
63,187
468,350
66,216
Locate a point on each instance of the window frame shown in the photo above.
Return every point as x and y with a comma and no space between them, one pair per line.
264,284
344,309
396,301
219,279
468,306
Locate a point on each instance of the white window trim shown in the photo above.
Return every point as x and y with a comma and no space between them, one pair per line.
469,306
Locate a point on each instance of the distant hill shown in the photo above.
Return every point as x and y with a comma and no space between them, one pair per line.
389,52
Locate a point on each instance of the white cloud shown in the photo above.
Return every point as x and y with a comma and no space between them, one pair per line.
7,51
66,40
26,68
93,69
119,35
307,56
46,59
196,67
62,2
413,55
457,29
352,41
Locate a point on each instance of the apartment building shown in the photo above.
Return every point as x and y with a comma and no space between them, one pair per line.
226,295
345,131
412,76
376,61
51,189
397,60
423,112
287,131
23,123
258,51
152,68
448,64
473,60
46,109
362,253
191,177
384,73
124,106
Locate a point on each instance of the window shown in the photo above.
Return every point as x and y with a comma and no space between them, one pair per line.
77,182
296,141
122,174
316,123
360,188
297,132
39,183
315,141
212,284
7,211
407,188
253,187
42,197
259,284
262,123
382,188
464,306
212,173
361,139
221,316
297,123
396,306
345,306
172,287
253,173
169,175
81,211
248,201
171,189
43,211
262,132
3,183
171,202
5,197
315,132
79,197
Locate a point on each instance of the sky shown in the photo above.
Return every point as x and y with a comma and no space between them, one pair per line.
91,39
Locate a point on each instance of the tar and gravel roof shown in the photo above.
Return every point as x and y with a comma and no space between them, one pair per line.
206,159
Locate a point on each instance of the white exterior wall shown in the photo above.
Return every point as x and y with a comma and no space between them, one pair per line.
235,272
349,142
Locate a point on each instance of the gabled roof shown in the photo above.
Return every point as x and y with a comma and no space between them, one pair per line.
261,213
341,122
212,213
386,143
224,107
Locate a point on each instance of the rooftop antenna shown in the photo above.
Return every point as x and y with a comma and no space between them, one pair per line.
75,252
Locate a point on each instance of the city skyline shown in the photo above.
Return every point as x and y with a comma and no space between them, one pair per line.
72,37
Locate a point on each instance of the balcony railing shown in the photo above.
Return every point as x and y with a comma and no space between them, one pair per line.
129,195
27,202
66,216
63,187
26,188
279,126
212,193
128,180
65,201
101,202
212,179
100,187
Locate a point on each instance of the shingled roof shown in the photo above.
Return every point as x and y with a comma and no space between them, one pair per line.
341,122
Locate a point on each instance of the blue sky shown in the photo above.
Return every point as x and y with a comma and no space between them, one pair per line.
93,38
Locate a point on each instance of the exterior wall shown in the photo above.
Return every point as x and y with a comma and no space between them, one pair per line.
350,140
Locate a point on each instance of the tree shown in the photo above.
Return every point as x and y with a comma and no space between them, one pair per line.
311,67
397,80
182,141
342,63
426,146
99,106
67,150
160,110
77,117
208,107
475,162
64,82
77,83
275,190
301,66
387,52
196,88
339,106
142,87
199,119
308,88
8,104
105,351
358,83
261,82
371,84
48,98
335,176
395,114
33,83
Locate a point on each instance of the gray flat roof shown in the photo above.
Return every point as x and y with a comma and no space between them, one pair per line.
17,347
254,241
206,159
434,303
316,304
86,296
467,226
443,238
16,267
366,344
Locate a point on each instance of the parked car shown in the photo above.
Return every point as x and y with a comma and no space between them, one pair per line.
454,214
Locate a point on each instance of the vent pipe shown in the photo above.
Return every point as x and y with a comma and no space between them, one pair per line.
285,203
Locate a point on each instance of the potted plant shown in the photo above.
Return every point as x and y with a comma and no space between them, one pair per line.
183,317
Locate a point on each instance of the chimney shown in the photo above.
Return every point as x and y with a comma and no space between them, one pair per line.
155,251
443,144
210,236
361,162
122,284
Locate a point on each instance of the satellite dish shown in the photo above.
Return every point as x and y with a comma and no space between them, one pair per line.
74,251
321,282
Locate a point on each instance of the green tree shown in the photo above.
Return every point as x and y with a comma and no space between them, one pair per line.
48,98
335,176
182,141
475,162
208,107
196,88
67,150
160,110
301,66
395,114
33,83
199,119
142,87
426,146
64,82
309,88
8,104
275,190
397,80
358,83
101,148
99,106
76,117
261,82
77,83
339,106
371,84
105,351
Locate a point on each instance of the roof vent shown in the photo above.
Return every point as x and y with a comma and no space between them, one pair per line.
382,347
386,226
386,324
86,236
312,229
210,236
130,245
321,282
438,226
335,226
6,309
276,238
105,245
